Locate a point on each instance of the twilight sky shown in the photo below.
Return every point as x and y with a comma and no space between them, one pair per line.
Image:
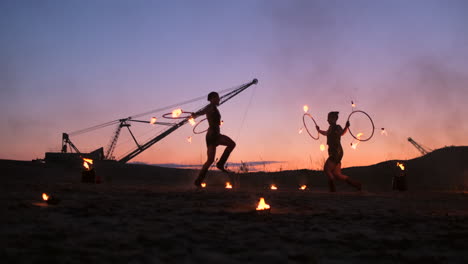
69,65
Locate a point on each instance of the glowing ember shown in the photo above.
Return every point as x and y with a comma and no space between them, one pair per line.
383,131
203,185
303,187
262,205
189,139
176,112
300,130
306,108
153,120
273,187
353,104
192,121
228,185
322,147
45,197
401,165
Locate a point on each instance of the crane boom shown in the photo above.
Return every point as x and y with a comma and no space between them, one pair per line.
174,127
416,145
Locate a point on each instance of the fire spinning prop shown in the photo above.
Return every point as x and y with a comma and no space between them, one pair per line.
177,114
306,109
262,205
201,121
153,120
50,199
357,137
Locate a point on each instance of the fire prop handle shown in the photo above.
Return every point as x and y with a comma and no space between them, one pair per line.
307,129
372,123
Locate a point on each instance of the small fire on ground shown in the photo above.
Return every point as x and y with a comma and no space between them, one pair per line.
303,187
87,163
401,165
262,205
228,185
273,187
203,185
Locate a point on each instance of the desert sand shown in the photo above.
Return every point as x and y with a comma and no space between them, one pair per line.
147,214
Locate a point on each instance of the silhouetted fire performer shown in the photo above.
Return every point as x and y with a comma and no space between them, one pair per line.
332,166
214,138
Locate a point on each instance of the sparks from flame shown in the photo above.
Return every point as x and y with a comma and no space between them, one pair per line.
176,112
153,120
306,108
203,185
401,165
192,121
303,187
228,185
189,139
262,205
45,197
273,187
322,147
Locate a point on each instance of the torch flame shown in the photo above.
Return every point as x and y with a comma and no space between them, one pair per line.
300,130
353,104
273,187
221,123
355,144
176,113
192,121
45,197
303,187
203,185
153,120
401,165
262,205
228,185
322,147
189,139
383,132
306,108
86,163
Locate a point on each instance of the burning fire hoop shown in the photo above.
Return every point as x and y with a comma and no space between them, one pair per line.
177,114
195,128
358,138
307,129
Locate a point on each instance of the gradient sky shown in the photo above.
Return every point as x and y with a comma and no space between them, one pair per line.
68,65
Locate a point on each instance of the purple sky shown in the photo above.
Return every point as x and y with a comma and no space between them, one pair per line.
68,65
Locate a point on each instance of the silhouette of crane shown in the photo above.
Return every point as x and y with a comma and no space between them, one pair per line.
419,147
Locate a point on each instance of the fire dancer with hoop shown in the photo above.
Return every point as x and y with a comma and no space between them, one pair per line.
214,138
332,166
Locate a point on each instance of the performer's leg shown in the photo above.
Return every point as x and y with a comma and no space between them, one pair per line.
230,145
211,153
337,172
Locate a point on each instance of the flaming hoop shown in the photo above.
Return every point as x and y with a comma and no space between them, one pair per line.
177,114
307,129
195,128
357,137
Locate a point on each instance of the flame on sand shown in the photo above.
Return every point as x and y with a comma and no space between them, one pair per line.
203,185
153,120
262,205
303,187
306,108
45,197
228,185
176,112
401,165
354,144
273,187
86,163
192,121
322,147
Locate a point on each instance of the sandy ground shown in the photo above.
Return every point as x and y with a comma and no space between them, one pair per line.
144,222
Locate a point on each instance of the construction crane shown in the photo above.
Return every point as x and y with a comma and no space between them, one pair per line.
418,147
125,122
